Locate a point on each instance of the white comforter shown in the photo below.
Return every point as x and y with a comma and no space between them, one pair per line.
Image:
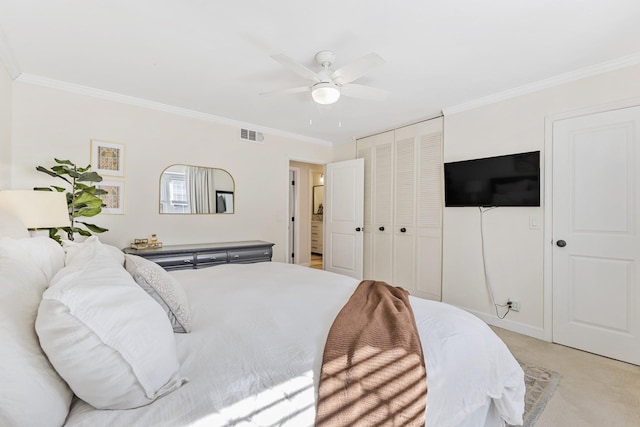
254,355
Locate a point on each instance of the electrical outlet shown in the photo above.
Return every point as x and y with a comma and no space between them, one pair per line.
514,304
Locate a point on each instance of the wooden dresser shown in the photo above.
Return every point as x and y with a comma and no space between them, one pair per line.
316,237
180,257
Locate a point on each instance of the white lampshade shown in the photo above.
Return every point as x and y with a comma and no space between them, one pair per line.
325,93
36,209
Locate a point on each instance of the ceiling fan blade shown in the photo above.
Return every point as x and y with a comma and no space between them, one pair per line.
365,92
296,67
290,90
356,69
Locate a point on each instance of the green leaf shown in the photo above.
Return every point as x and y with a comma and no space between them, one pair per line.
48,172
82,200
89,176
81,231
87,199
53,234
53,174
88,212
93,227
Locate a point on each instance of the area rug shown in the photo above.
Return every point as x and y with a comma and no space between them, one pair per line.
540,384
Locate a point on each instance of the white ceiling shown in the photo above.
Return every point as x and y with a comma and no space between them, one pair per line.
213,57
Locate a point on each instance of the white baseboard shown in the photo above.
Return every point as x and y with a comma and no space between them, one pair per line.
507,324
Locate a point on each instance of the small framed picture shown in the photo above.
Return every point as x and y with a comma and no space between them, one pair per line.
224,201
114,199
107,158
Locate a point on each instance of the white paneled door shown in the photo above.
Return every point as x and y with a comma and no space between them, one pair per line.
596,226
343,212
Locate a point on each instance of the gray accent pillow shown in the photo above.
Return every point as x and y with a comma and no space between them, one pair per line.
163,288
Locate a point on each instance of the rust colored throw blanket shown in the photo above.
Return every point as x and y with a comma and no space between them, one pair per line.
373,370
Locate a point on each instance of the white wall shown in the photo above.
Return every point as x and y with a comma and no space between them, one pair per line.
515,252
50,123
6,85
344,151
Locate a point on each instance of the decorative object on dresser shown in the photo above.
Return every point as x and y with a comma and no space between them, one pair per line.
200,255
141,244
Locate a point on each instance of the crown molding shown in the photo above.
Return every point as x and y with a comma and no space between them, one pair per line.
158,106
6,57
582,73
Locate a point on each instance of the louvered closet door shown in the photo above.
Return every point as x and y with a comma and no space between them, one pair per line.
377,152
404,212
429,211
382,232
364,151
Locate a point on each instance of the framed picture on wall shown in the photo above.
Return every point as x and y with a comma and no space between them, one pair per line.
107,158
114,199
224,201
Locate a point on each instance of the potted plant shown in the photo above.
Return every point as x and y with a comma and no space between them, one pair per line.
82,197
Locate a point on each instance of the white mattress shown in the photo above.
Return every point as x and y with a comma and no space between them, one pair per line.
254,355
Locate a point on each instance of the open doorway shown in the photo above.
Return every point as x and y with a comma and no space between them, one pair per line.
306,206
317,213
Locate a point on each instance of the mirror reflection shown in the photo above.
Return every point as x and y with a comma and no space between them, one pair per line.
188,189
318,199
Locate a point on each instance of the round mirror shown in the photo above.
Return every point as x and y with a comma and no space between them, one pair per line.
188,189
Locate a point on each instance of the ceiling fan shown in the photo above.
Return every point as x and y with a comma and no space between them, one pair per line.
327,85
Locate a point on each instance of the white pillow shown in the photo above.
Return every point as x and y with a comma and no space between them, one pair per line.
106,337
46,253
31,393
82,252
163,288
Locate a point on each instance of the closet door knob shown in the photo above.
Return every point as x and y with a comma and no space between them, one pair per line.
561,243
403,230
381,228
358,228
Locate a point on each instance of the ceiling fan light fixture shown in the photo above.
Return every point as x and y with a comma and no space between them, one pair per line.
325,93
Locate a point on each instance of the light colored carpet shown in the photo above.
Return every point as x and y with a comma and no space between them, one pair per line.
594,391
540,384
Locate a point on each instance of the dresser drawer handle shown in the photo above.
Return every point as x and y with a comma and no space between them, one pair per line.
266,253
187,261
236,256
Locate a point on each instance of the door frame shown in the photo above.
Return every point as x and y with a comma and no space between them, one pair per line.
296,222
547,172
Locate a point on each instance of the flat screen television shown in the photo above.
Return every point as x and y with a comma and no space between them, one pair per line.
511,180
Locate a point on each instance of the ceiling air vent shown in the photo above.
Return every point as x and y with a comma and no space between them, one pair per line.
251,136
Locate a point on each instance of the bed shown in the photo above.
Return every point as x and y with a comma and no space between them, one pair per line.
252,355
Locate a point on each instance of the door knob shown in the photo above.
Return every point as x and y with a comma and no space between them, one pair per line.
403,230
561,243
381,228
358,228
